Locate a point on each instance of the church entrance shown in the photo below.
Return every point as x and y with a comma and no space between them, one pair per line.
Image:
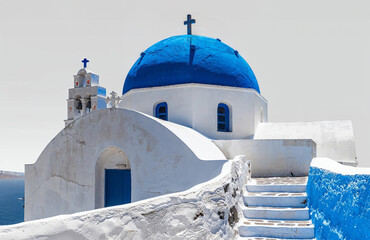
117,187
112,178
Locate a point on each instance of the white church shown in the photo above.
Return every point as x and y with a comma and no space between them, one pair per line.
189,105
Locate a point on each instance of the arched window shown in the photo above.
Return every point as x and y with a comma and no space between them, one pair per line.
223,118
161,111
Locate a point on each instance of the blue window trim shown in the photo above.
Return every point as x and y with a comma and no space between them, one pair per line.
161,115
223,118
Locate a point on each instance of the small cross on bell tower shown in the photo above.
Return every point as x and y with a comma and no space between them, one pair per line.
188,22
85,61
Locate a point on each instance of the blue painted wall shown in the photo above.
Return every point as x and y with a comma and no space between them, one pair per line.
190,59
102,91
339,205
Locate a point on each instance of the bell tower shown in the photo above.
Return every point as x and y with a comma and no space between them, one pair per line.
86,95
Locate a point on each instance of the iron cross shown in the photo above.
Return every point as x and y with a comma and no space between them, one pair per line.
188,22
85,61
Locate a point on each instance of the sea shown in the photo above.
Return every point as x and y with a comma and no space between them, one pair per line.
11,201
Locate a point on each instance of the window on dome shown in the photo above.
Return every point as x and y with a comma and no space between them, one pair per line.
161,111
223,118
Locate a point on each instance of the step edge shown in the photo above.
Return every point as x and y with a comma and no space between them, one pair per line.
276,192
274,208
268,238
278,185
311,226
250,196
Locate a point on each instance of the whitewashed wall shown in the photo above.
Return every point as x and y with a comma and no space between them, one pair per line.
195,106
207,211
164,158
334,139
275,158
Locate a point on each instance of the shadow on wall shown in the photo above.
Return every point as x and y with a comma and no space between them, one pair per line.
272,157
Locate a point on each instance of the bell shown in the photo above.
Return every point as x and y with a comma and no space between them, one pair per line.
88,105
79,105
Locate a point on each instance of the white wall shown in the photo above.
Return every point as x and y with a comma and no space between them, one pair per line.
334,167
195,106
161,156
334,139
207,211
275,158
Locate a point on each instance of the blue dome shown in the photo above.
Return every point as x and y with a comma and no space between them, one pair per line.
190,59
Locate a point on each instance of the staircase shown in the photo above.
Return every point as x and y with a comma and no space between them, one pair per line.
275,208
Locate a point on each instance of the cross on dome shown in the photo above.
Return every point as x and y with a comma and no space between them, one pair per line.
188,22
85,61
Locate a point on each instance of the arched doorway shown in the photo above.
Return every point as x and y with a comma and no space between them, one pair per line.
112,178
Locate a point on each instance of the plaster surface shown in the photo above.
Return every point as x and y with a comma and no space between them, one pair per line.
277,158
195,106
206,211
334,139
67,177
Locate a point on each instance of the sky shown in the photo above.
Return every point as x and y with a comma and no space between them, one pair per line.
311,58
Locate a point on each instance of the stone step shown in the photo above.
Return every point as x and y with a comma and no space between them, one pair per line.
280,213
275,199
277,184
277,188
263,238
277,229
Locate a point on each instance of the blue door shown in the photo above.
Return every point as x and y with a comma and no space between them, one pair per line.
117,187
